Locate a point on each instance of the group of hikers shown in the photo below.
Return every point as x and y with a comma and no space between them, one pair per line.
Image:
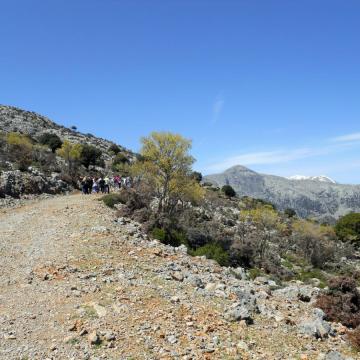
95,185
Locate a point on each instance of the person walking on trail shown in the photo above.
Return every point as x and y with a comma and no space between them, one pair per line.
116,181
102,185
95,186
107,185
84,186
89,182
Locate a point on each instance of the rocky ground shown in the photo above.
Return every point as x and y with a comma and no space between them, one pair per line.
78,283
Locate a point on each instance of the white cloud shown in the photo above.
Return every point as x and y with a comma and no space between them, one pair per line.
262,158
347,138
218,106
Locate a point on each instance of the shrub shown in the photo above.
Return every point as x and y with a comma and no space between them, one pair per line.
290,213
197,237
73,128
90,155
228,190
111,200
348,227
159,234
254,273
114,149
51,140
213,251
120,163
71,154
341,303
316,242
307,275
197,176
354,338
169,237
20,150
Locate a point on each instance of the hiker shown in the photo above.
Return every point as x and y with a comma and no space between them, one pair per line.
84,186
107,185
95,186
89,183
124,182
117,181
102,185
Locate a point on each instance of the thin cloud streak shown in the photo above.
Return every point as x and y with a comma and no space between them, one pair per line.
218,107
347,138
274,157
258,158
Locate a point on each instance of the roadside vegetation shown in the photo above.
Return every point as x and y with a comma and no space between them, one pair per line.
175,207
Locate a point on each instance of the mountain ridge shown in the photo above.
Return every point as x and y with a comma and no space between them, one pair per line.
321,200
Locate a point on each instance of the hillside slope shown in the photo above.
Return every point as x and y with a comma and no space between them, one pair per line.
78,283
13,119
309,198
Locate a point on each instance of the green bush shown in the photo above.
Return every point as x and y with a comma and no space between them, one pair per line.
348,227
90,155
307,276
197,176
159,234
169,237
228,190
254,273
111,200
213,251
51,140
120,158
290,213
114,149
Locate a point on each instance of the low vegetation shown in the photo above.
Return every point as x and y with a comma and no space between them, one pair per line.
228,191
341,303
176,209
348,228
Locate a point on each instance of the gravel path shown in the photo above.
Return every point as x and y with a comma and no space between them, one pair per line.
77,283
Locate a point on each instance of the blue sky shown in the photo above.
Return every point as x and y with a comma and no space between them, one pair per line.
273,85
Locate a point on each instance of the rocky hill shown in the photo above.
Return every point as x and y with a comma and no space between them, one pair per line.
309,198
13,119
43,171
78,282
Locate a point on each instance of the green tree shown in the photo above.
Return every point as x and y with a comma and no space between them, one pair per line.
197,176
20,150
90,155
267,224
348,227
71,153
51,140
228,190
166,165
290,213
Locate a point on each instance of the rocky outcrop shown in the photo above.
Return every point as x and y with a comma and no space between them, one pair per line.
309,198
16,183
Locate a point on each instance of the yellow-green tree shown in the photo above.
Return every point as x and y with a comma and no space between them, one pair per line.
71,153
267,223
166,165
19,140
317,242
20,149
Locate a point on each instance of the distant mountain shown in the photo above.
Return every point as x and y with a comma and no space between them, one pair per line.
321,178
316,197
